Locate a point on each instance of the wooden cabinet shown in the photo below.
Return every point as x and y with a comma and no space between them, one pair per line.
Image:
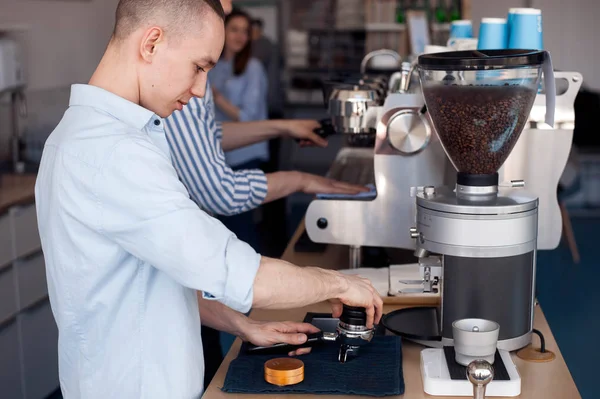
8,293
40,349
6,249
10,371
28,332
31,279
26,238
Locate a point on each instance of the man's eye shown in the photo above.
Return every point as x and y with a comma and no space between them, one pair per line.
199,69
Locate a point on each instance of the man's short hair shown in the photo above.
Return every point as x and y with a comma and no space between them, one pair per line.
175,14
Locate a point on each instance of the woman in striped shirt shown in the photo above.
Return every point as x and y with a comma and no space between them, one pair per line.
197,143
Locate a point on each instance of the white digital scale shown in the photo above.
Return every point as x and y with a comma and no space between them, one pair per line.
437,381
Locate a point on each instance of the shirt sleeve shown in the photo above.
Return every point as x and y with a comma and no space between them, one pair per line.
195,143
147,211
254,102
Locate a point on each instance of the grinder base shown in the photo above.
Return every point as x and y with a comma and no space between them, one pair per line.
437,380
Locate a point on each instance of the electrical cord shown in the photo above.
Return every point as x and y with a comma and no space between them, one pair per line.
542,340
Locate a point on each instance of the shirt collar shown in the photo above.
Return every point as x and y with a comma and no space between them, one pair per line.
120,108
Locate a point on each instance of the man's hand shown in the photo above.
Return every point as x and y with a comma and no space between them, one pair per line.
262,333
303,130
313,184
360,293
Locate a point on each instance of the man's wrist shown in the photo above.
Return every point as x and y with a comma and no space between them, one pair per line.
239,325
334,282
282,127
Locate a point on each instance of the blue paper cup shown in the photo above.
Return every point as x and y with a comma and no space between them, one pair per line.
525,29
461,29
493,34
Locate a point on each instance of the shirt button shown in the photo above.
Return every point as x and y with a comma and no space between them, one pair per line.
156,122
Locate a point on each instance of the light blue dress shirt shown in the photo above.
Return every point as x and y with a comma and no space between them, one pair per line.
247,91
125,250
195,141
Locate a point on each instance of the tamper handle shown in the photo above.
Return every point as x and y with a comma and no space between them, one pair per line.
479,392
480,373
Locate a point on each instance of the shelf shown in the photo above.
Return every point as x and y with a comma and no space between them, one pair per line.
384,27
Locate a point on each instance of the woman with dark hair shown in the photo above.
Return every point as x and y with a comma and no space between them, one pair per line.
240,88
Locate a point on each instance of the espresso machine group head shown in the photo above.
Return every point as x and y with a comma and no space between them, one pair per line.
388,133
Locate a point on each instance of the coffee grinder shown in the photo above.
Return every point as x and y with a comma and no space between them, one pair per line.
483,231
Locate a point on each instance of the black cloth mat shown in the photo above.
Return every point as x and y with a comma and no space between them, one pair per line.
459,372
376,371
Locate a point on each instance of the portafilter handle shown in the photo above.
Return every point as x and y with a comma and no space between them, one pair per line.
480,373
282,348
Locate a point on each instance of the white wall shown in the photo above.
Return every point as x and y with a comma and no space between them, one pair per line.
572,35
64,40
571,32
62,43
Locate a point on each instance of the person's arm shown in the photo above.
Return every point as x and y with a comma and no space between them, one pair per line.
143,207
282,285
282,184
194,139
253,104
220,317
226,106
276,279
240,134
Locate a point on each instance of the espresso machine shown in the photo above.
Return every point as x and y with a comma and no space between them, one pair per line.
392,146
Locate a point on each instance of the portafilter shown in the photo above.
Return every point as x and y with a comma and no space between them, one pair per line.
351,334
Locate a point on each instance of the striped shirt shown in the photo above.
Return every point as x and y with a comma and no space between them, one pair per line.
195,142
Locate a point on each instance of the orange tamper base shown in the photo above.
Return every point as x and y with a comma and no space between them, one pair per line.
284,371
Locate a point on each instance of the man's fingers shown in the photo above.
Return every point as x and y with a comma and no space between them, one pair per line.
336,309
291,338
378,308
306,328
299,352
303,351
370,316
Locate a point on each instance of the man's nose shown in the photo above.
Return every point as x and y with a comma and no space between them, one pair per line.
199,87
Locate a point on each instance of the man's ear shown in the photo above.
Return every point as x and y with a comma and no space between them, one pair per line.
150,41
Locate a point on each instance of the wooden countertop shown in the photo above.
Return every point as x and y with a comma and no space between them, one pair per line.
538,380
16,190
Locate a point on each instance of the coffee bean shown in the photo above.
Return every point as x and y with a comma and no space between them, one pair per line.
479,125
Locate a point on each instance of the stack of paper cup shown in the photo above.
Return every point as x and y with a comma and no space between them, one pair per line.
525,29
461,29
493,34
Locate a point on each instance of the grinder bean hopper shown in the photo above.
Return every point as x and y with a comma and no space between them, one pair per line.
484,232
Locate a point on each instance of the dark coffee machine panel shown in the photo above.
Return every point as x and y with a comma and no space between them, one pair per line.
498,289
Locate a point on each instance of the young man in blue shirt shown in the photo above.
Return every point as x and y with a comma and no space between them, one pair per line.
131,260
